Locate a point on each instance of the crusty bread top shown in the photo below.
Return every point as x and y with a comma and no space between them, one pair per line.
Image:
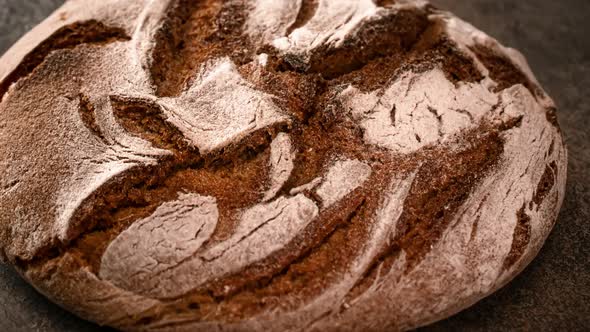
263,164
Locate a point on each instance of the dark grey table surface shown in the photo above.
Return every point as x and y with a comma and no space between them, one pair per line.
553,293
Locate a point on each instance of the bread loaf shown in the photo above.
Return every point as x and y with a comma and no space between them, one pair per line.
271,165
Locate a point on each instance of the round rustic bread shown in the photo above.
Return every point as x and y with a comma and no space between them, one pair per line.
265,165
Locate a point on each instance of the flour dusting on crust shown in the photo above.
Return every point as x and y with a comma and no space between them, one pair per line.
267,197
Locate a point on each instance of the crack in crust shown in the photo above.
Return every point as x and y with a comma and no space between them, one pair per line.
144,118
503,71
88,116
70,36
192,33
520,238
306,12
546,183
388,37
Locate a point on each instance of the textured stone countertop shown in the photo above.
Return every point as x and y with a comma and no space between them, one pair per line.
553,293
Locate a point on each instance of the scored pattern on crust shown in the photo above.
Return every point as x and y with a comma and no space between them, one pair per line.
291,165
